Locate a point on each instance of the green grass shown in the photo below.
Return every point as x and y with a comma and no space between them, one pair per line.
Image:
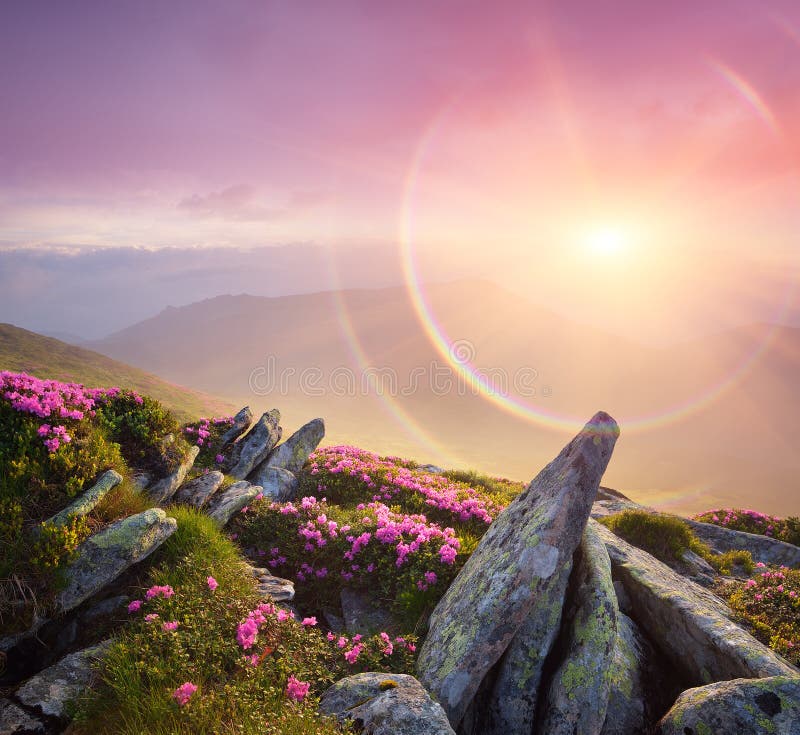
45,357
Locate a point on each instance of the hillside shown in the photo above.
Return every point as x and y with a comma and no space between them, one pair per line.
686,445
46,357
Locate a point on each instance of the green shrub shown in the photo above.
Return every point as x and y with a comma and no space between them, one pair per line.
665,537
752,521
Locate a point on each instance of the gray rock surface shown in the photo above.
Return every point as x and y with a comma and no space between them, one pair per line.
579,690
241,423
52,689
362,615
385,704
162,491
104,556
226,504
253,447
626,713
763,548
276,588
86,502
293,453
16,721
494,594
768,706
278,483
691,625
196,492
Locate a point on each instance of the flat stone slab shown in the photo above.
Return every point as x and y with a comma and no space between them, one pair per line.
693,627
385,704
226,504
196,492
293,453
56,686
104,556
493,595
768,706
87,501
254,447
162,491
763,548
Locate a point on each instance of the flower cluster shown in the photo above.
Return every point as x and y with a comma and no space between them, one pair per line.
752,521
388,478
207,434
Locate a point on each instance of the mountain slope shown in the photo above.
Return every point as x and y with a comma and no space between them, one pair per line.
46,357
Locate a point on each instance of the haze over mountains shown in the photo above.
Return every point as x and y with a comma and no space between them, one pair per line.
694,451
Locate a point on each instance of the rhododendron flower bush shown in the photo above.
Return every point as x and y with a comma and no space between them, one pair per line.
769,603
207,433
751,521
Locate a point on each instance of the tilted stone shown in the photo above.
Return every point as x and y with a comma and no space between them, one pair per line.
253,447
196,492
162,491
277,483
241,423
226,504
293,453
87,501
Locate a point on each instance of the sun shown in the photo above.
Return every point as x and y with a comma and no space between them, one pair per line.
605,241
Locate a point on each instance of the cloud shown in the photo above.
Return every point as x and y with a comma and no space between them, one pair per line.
237,203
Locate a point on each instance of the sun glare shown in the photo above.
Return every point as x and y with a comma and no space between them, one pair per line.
605,241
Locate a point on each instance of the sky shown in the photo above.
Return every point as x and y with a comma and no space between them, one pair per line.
632,165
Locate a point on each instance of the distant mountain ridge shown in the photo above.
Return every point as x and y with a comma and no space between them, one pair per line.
46,357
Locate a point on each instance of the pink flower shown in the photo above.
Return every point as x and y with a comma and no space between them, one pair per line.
134,606
296,689
219,459
150,617
212,583
171,625
310,621
342,642
159,590
184,693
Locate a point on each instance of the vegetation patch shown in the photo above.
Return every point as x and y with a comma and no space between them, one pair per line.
751,521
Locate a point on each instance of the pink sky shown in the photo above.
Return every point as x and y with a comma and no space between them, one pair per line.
530,126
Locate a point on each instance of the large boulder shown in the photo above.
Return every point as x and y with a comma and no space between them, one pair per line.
385,704
293,453
277,483
51,690
86,502
253,447
104,556
162,491
241,423
579,690
503,580
768,706
196,492
762,548
226,504
693,627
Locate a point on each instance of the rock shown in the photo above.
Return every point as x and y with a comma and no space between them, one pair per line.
196,492
385,704
762,548
141,479
362,615
104,556
333,620
52,689
693,627
85,503
293,453
254,446
229,502
276,588
626,712
579,691
16,721
501,583
278,483
241,423
698,568
752,706
432,468
162,491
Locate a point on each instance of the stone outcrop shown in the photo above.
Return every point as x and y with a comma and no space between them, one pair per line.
293,453
768,706
197,492
86,502
385,704
692,626
241,423
226,504
580,687
277,483
362,615
253,447
104,556
16,721
277,589
762,548
51,690
495,593
162,491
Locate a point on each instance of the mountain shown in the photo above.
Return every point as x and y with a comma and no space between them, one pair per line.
46,357
698,419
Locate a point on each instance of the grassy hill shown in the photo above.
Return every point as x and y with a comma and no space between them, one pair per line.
45,357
